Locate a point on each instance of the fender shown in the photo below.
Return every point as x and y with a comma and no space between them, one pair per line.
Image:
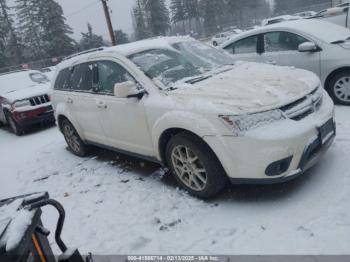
61,110
192,122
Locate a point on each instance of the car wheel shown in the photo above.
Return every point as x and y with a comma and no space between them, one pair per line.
75,144
195,166
215,43
17,129
339,88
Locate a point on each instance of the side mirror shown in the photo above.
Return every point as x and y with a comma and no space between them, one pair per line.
128,89
308,47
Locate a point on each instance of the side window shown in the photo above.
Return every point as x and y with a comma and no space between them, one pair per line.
63,81
244,46
282,41
109,74
82,77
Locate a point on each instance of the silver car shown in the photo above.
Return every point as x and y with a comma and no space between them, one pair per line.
311,44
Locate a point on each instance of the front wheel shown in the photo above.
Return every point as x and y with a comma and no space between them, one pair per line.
339,88
195,166
75,144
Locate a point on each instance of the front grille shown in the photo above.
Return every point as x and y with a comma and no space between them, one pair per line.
303,107
39,100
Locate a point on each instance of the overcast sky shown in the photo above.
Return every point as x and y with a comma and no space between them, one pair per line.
81,12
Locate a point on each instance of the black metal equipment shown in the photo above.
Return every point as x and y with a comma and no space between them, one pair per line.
34,245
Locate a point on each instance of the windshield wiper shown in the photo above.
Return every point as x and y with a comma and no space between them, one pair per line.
340,41
198,79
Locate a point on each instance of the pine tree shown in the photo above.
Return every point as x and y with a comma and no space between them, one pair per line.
177,9
90,40
286,6
10,52
158,19
30,29
121,37
139,20
57,41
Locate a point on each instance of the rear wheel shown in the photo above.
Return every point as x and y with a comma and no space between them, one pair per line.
195,166
75,144
339,88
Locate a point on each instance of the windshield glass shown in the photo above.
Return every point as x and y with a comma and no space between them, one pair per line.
184,60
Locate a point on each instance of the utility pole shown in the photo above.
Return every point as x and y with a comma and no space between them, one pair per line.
109,22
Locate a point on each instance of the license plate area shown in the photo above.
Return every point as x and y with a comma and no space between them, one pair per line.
327,131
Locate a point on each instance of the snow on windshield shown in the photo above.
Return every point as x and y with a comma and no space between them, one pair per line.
183,60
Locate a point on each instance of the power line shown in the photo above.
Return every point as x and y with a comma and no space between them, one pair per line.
83,9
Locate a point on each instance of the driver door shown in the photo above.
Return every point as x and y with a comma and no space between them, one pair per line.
123,120
281,48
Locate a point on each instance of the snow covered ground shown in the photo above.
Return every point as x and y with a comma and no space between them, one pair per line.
117,204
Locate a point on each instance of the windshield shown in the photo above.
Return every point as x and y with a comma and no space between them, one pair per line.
185,60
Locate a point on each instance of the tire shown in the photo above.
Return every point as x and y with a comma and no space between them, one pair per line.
215,43
339,88
74,142
17,129
195,166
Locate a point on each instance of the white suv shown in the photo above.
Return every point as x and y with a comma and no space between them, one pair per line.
186,105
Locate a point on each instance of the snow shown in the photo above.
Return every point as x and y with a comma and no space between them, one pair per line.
120,205
18,86
20,220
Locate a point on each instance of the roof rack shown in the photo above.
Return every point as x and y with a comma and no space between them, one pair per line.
84,52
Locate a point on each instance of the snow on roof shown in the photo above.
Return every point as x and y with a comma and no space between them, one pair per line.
329,32
131,48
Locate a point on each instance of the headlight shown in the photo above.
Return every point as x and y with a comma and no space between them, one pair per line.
21,103
243,123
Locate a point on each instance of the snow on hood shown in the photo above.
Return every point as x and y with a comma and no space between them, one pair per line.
32,91
247,88
18,86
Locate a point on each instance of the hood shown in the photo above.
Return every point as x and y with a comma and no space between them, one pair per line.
247,88
28,92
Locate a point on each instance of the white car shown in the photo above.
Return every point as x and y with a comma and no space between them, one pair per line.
222,37
279,19
338,15
24,100
185,104
311,44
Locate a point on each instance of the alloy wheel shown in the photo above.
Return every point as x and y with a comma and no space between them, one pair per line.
189,168
342,89
72,138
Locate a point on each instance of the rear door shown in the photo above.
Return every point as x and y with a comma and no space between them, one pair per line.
281,48
82,102
246,49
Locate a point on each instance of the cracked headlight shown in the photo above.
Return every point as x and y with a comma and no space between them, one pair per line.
21,103
243,123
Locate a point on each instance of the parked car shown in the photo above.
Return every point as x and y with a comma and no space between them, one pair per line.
310,44
338,15
49,71
222,37
24,100
279,19
185,104
306,14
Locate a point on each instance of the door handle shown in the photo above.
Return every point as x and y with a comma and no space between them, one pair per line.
101,104
69,100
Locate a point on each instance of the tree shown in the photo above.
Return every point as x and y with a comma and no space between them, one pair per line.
177,9
30,29
121,37
10,51
286,6
139,20
157,15
90,40
56,39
